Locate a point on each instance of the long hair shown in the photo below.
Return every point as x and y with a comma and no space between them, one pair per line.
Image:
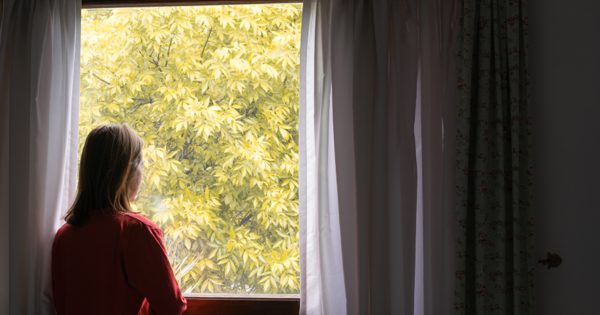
109,158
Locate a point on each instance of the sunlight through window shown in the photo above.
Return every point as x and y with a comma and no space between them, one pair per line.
213,91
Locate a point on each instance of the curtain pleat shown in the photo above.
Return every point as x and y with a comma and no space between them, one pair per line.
361,63
39,84
437,62
494,226
322,285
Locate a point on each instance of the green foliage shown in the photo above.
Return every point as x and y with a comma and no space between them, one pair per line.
213,91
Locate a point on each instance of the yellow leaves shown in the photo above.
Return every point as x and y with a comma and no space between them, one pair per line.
213,253
123,71
135,87
270,70
265,86
239,86
221,133
293,283
204,86
222,262
226,20
210,287
252,256
284,133
216,282
204,20
216,73
240,65
113,108
95,110
214,109
227,267
156,181
283,38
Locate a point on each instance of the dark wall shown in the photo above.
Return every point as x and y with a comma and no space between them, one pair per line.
565,92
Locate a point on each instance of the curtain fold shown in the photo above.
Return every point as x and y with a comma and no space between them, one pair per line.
436,108
364,117
39,102
322,285
494,226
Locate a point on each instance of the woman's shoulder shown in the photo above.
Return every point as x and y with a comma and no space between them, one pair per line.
139,220
65,229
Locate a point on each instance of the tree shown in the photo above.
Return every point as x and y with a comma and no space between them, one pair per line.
213,91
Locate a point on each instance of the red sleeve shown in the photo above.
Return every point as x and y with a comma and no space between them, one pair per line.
149,271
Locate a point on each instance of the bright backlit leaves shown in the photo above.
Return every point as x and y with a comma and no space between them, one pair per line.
214,93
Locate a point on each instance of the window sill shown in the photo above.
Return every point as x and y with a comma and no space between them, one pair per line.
225,304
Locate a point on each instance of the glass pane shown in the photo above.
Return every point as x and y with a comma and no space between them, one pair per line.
213,91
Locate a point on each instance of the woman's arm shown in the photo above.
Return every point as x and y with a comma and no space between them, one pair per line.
149,271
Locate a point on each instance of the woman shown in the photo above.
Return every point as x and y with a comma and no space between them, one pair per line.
106,259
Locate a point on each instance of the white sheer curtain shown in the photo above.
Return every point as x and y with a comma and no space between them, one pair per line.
39,110
376,222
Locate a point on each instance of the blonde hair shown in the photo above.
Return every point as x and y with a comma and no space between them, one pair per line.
109,158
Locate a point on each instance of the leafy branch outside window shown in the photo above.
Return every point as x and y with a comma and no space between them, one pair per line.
213,91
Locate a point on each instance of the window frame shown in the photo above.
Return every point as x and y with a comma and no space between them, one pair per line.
222,304
97,4
229,304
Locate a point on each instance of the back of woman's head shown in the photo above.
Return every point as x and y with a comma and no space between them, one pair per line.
109,158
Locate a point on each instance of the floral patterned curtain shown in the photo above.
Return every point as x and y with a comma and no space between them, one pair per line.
494,227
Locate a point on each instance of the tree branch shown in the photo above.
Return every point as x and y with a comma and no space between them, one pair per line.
158,54
149,101
169,51
156,65
246,218
205,43
157,62
99,78
238,213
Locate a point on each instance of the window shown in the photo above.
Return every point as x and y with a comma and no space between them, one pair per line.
213,91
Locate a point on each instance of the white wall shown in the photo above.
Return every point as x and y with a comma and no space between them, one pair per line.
565,87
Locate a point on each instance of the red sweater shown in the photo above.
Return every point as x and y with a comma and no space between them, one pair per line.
112,265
